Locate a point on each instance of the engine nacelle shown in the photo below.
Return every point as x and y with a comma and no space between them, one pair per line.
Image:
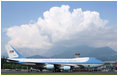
65,67
49,66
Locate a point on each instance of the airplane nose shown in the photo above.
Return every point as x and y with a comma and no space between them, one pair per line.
93,60
100,62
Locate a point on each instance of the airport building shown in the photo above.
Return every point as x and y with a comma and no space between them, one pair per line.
110,66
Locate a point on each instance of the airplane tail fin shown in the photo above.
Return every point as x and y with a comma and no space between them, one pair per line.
12,53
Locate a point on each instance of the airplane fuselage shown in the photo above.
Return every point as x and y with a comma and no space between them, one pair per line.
55,63
85,61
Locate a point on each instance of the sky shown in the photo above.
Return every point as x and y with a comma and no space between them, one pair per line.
36,25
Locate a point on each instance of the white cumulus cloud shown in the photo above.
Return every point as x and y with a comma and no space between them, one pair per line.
58,24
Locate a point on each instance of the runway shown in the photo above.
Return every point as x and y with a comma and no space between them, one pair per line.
56,73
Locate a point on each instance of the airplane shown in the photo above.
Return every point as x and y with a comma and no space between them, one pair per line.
55,64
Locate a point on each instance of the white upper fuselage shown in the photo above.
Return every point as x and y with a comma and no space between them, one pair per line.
80,60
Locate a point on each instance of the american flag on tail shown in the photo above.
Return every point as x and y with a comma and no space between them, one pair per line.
11,51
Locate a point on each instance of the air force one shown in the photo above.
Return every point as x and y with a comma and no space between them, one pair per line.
55,64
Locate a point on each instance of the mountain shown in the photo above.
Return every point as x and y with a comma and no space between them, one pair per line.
36,56
103,53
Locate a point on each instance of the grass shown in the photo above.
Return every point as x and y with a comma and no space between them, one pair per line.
52,74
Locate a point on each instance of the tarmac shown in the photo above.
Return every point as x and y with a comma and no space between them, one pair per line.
49,72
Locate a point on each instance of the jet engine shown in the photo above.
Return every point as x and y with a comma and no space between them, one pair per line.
65,67
49,66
